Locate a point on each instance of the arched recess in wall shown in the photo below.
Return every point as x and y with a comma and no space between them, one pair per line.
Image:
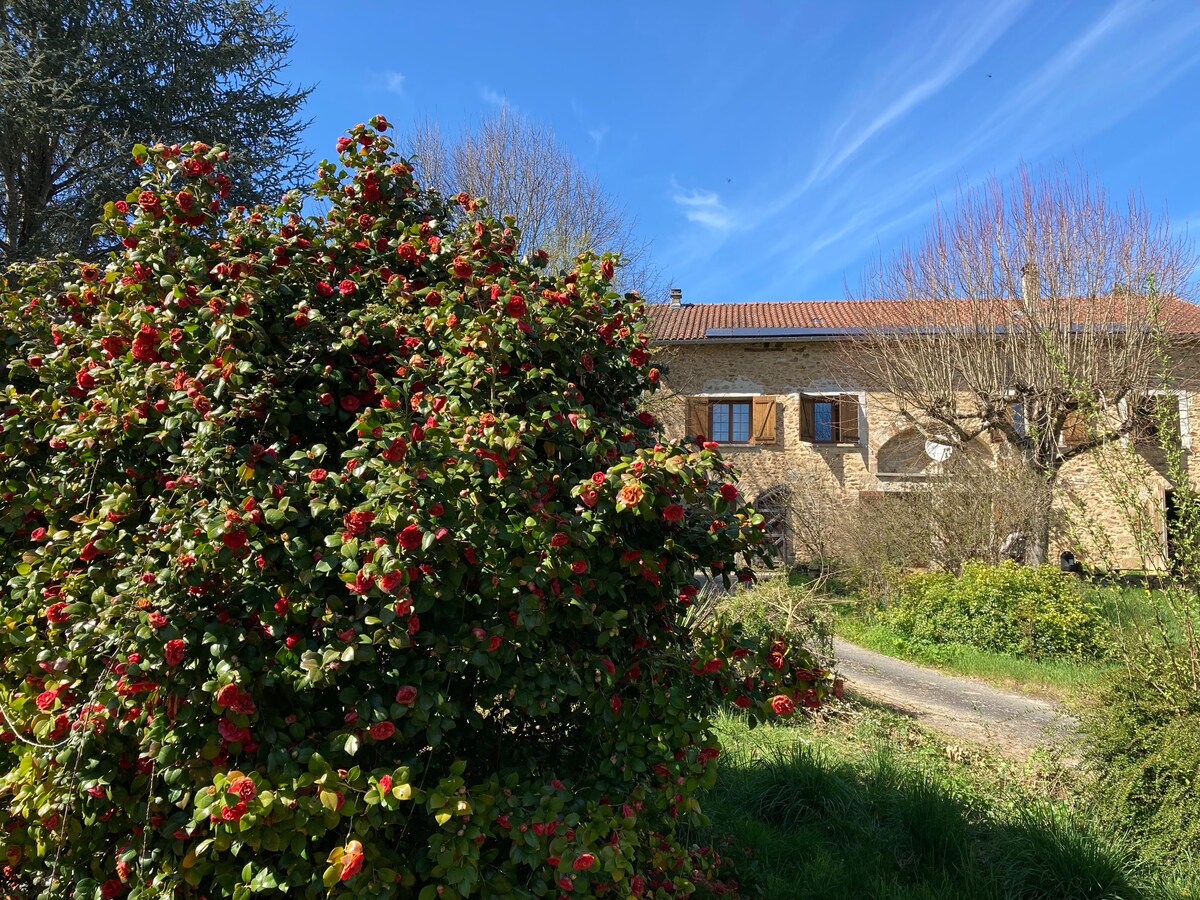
773,504
903,456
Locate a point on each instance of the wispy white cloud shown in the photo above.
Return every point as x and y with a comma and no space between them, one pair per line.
917,80
393,82
704,208
493,97
597,131
1095,79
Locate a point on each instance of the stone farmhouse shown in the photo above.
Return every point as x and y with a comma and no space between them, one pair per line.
773,383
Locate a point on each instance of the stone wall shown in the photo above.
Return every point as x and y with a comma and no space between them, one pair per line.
1093,516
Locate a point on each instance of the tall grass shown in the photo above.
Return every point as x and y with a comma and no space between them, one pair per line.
826,823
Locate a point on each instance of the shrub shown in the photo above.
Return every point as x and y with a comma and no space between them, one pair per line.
1144,749
340,562
1007,608
774,608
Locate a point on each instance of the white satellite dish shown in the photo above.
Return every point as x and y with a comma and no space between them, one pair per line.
937,451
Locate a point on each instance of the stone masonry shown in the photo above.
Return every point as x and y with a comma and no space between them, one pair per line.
889,455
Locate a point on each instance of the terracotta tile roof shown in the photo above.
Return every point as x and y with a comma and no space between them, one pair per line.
831,319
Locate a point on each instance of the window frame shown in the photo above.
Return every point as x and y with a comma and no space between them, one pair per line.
730,402
1182,419
835,399
764,417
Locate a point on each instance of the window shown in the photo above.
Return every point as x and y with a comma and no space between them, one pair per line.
1013,415
829,419
732,420
1160,419
729,421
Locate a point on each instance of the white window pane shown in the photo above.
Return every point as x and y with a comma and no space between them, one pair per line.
720,421
823,421
741,422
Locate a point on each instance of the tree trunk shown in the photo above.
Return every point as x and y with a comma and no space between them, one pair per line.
1037,549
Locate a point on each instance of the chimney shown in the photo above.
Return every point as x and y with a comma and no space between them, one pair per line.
676,296
1030,283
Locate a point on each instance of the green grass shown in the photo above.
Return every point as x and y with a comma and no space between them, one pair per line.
869,806
1066,680
1126,606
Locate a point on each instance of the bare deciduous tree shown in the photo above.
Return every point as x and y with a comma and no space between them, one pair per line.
522,170
1030,311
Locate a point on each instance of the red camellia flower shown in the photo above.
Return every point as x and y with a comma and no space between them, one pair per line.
783,705
47,699
57,613
145,345
233,813
350,403
157,620
673,513
150,202
244,787
407,695
89,552
385,784
559,540
234,540
344,144
516,306
462,268
174,652
358,521
381,731
317,475
410,537
637,356
579,566
227,694
352,861
598,478
347,287
584,860
729,492
395,450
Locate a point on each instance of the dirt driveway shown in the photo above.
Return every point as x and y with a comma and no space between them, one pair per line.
954,705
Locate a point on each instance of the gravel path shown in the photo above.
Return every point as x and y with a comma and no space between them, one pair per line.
952,704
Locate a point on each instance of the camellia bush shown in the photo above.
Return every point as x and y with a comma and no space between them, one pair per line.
339,561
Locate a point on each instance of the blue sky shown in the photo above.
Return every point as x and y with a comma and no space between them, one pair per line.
769,149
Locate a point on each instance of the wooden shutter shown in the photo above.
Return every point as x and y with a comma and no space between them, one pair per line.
1074,429
847,419
807,418
764,420
697,417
